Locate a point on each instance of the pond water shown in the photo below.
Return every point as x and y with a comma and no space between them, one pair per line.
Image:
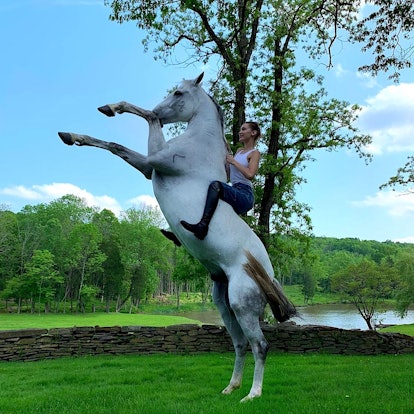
338,316
346,317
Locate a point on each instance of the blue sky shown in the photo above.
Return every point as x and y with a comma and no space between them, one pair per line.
61,59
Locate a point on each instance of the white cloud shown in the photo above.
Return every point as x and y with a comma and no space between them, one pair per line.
145,200
48,192
339,70
396,203
409,239
364,9
368,81
21,192
388,118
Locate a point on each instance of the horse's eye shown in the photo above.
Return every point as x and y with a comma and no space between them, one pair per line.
178,93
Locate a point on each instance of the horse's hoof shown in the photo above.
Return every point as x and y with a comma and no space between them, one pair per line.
251,395
106,110
66,138
230,388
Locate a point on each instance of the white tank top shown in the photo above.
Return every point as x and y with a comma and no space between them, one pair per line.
235,174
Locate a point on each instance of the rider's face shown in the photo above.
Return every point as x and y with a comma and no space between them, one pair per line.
245,133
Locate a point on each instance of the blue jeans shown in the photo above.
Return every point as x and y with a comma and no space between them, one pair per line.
239,196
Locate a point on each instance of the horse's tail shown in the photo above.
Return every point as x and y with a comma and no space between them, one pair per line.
282,308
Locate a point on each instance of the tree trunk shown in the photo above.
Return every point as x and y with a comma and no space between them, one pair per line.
239,109
177,290
368,321
268,199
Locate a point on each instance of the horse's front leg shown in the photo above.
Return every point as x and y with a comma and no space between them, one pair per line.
133,158
121,107
156,140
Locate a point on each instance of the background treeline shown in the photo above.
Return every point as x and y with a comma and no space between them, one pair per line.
67,257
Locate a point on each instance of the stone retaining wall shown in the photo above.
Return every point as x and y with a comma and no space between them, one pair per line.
36,344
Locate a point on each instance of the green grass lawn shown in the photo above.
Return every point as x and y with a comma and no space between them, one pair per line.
404,329
47,321
29,321
295,294
157,384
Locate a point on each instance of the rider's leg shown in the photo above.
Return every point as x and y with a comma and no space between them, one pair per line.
171,236
200,229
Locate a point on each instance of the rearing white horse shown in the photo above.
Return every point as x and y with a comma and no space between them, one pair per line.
181,170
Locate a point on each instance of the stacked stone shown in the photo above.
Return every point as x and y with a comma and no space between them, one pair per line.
36,344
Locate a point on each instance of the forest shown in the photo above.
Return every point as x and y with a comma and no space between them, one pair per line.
65,256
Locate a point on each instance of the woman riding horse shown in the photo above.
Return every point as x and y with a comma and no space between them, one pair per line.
180,169
243,168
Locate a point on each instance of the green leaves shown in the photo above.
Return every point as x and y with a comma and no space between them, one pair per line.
256,47
366,284
66,252
404,176
388,33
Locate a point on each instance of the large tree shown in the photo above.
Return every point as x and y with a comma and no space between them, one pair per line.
144,254
83,261
42,278
112,277
388,32
9,246
405,294
256,46
366,285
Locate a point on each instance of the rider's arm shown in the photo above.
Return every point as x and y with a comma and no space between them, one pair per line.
250,171
226,163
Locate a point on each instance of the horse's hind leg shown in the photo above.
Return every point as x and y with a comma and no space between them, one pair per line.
133,158
247,304
240,343
259,345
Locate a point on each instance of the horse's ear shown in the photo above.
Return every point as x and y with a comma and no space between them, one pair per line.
199,79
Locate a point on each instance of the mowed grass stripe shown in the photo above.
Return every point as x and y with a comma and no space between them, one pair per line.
192,383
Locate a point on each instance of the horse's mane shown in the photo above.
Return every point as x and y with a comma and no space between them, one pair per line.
221,117
218,107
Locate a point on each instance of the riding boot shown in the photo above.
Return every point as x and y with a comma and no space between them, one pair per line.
171,236
200,229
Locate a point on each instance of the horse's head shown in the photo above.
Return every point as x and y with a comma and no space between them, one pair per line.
182,103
